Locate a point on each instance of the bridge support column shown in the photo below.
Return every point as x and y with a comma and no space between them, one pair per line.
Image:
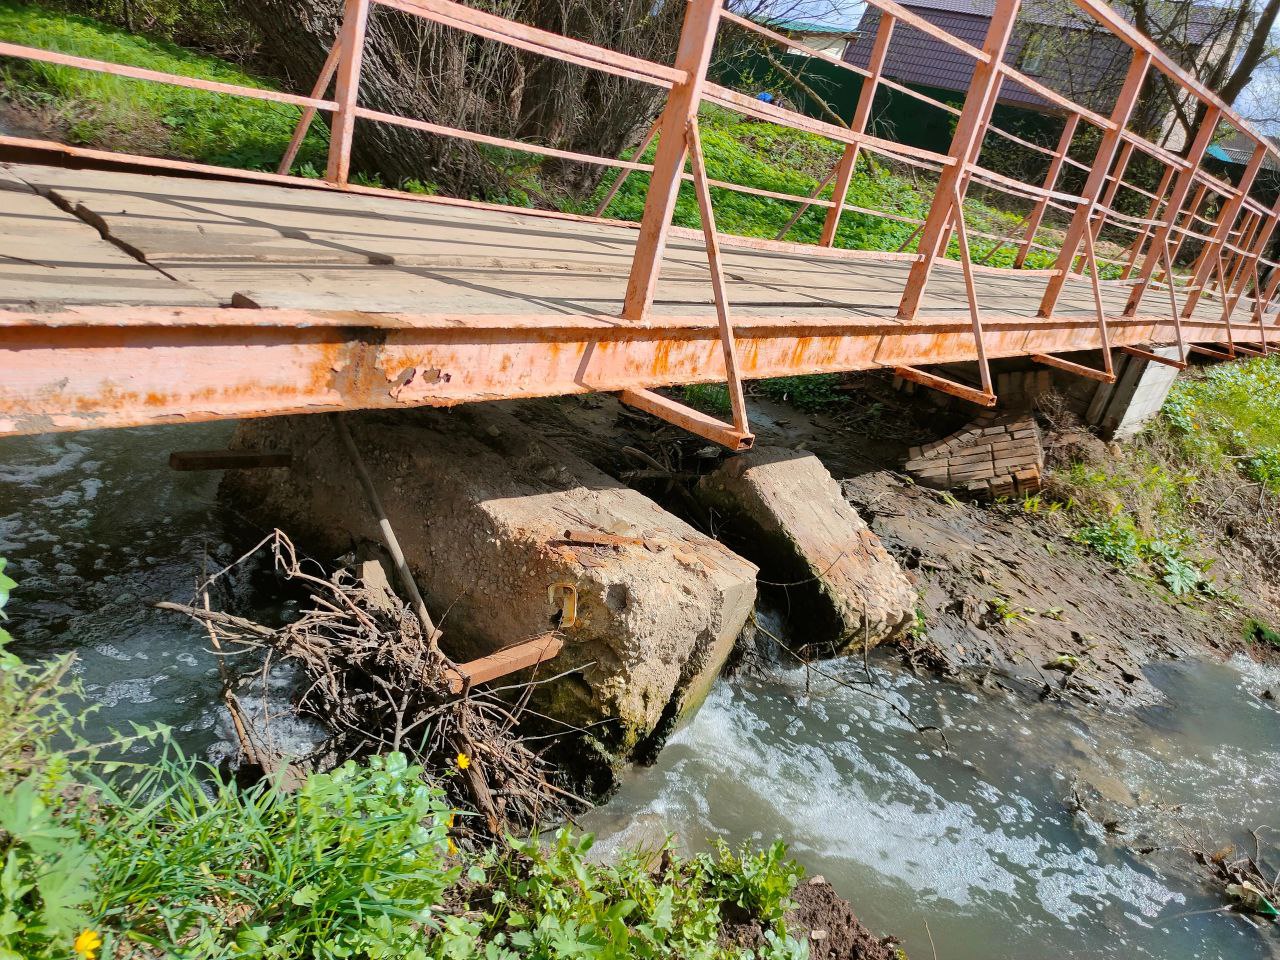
510,536
1122,409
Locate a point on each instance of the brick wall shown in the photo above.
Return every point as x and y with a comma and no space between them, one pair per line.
998,454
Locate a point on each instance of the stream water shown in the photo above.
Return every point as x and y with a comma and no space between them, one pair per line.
980,840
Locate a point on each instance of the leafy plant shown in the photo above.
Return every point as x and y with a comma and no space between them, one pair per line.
811,393
1255,631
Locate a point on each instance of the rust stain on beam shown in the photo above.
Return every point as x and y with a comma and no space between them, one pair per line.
111,367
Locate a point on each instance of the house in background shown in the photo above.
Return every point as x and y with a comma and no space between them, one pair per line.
832,40
1053,42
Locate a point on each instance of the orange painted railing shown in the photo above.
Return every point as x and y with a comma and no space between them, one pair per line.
1233,242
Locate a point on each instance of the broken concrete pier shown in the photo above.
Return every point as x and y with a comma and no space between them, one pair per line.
509,535
785,511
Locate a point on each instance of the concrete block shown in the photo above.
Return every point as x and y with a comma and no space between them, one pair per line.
481,503
784,510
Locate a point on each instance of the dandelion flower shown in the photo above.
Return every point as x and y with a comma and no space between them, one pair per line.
87,944
463,761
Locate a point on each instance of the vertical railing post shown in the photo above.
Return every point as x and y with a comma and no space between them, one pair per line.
1050,183
1181,187
1108,198
1136,249
1261,240
970,128
697,38
1222,229
1106,154
1192,212
861,116
355,18
975,152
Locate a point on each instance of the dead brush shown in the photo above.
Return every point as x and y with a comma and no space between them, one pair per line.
380,684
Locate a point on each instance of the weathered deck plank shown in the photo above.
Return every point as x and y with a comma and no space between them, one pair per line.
368,302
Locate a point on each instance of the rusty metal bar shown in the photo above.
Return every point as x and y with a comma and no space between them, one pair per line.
969,130
355,19
861,115
621,178
697,38
737,399
1226,220
327,71
1107,146
1050,183
1178,194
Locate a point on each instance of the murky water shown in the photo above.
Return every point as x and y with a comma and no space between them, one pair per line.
981,840
95,527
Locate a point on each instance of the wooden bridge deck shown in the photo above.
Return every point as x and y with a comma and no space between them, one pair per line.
128,298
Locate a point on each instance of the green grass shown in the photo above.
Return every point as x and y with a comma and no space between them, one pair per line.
140,116
782,160
1144,510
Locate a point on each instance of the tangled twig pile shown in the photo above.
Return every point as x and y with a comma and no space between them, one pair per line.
379,683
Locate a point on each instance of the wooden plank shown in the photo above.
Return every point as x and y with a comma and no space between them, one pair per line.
194,460
509,660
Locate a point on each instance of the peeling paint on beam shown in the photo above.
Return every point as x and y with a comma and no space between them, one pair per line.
88,368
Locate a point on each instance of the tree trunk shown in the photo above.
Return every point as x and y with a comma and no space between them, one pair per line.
413,68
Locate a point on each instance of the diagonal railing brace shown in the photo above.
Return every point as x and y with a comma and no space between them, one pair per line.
738,436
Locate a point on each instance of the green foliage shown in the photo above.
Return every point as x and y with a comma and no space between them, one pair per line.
1255,631
708,397
352,864
45,868
769,157
811,393
99,109
1118,539
1228,417
1138,511
628,909
213,25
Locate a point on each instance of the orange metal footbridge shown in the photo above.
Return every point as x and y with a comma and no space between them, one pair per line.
135,290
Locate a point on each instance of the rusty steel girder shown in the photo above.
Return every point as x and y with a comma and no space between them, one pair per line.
84,368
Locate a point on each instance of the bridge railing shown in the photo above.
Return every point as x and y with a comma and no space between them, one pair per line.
1231,226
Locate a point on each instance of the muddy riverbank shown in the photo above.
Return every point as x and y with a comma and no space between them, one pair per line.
1008,598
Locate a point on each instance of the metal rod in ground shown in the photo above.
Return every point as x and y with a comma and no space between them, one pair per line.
388,534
